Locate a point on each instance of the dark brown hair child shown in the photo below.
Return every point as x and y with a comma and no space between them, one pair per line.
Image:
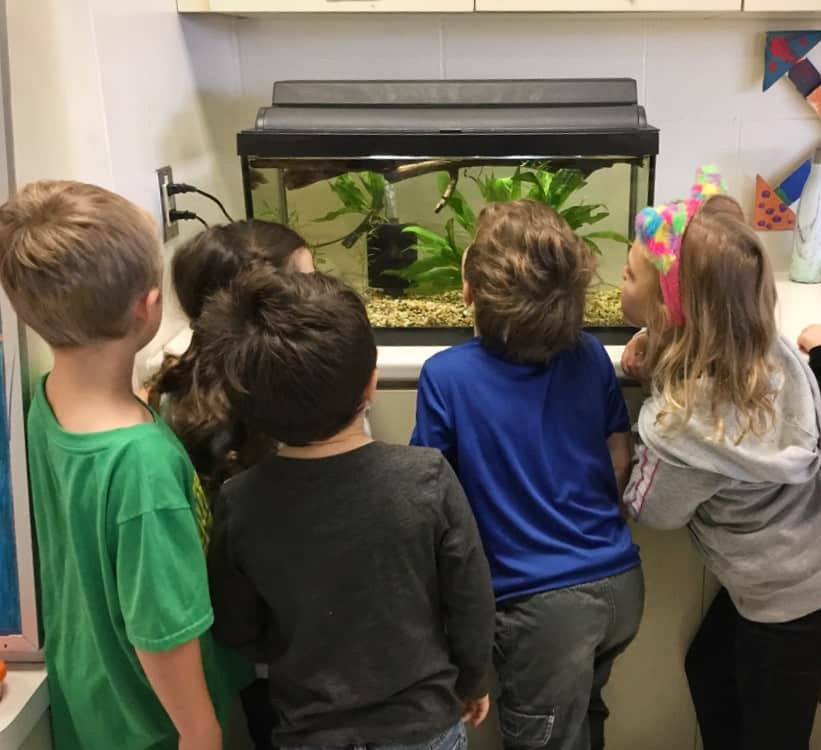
354,566
187,388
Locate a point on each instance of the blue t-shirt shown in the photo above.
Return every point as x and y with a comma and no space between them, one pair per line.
529,444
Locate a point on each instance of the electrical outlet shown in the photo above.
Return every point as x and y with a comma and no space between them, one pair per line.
168,203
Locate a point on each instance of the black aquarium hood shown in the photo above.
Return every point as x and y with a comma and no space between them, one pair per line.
569,117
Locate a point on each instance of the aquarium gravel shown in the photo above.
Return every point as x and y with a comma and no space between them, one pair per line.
447,310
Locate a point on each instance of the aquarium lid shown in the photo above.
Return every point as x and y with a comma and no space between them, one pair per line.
556,117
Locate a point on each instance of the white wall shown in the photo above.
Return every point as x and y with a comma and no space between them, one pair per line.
700,78
106,92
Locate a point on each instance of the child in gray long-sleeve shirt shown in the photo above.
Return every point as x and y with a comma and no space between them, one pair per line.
731,450
353,568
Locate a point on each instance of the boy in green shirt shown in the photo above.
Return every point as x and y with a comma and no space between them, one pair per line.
119,516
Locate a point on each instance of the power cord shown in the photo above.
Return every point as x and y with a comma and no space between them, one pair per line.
177,215
175,188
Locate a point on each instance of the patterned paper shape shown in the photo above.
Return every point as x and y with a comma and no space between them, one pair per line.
785,49
805,77
771,213
790,189
814,99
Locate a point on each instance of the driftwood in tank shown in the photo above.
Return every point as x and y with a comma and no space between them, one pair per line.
450,189
304,172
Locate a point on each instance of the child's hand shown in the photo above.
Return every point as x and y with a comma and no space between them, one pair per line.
633,360
474,710
810,338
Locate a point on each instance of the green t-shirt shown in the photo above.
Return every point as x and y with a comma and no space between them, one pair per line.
121,522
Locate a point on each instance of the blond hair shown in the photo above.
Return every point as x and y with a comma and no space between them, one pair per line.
721,356
74,258
528,273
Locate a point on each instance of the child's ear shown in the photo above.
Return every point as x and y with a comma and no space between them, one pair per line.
370,388
467,293
146,306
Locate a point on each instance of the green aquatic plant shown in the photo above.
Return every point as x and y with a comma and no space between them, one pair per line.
362,194
438,268
554,189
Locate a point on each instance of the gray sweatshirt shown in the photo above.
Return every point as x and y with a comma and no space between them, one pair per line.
753,509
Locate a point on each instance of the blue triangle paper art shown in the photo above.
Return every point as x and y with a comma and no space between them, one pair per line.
790,189
784,50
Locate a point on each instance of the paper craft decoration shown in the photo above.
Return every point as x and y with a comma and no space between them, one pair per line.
772,205
772,214
790,189
784,50
805,77
786,54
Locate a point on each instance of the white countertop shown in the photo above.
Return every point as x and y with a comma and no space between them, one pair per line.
798,306
25,700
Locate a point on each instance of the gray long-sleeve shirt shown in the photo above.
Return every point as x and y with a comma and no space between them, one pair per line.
753,509
361,580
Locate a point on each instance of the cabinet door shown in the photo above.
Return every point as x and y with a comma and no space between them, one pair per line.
783,5
324,6
393,415
614,5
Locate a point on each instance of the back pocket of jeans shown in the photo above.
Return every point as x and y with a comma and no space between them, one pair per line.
454,738
531,730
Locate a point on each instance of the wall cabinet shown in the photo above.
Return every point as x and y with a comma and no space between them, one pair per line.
325,6
783,5
468,6
611,5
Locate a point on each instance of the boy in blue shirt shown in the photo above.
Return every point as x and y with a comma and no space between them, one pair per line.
531,416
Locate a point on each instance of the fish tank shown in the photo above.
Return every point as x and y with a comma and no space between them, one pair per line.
385,180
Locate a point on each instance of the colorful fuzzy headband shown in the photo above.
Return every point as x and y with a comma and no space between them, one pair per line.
661,229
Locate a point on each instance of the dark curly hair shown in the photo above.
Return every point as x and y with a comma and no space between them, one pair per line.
216,439
302,341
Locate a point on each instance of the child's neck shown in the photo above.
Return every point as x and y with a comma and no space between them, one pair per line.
90,387
349,439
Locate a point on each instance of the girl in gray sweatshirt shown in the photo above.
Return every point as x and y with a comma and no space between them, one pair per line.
730,448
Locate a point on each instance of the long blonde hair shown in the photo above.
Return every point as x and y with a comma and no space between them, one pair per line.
721,356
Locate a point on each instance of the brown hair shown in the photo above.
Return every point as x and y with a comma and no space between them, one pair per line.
528,273
210,260
74,258
297,352
728,298
199,413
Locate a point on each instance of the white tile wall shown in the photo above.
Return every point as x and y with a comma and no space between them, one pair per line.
107,92
129,86
699,78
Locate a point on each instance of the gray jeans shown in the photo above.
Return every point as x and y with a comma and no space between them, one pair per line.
553,655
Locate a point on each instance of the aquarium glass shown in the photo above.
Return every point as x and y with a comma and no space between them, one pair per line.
395,229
